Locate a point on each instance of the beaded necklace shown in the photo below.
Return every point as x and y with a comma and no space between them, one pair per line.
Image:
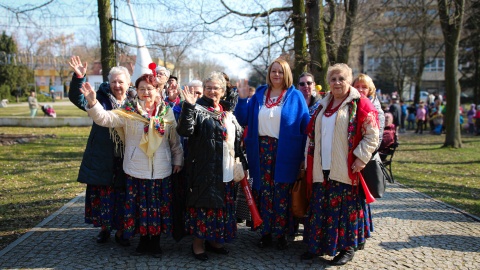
329,111
269,103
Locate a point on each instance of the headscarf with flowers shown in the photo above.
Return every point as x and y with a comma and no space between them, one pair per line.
163,122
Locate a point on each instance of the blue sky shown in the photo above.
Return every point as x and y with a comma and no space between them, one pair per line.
80,17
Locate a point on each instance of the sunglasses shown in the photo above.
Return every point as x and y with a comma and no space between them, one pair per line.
303,83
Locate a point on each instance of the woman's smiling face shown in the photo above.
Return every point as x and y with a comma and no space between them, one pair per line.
214,91
147,92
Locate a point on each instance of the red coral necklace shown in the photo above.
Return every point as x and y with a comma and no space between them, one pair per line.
269,103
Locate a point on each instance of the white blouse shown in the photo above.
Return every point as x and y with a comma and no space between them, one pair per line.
328,127
269,120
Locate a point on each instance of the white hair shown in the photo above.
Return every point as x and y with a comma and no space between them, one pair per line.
119,70
194,83
165,70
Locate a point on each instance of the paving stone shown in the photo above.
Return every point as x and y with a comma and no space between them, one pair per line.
412,231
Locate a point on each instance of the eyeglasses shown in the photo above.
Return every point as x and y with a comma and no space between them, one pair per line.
303,83
161,74
213,88
339,79
150,89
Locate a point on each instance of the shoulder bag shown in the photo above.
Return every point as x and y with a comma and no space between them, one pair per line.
376,176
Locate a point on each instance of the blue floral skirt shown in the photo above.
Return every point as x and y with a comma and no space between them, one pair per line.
216,225
104,207
273,199
338,218
148,207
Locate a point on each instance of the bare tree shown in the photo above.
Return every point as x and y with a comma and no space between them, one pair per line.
106,37
470,52
339,50
451,14
318,64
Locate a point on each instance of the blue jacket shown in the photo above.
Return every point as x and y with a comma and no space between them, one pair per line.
292,137
98,164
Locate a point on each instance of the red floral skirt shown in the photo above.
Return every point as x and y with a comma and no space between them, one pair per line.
338,218
148,207
216,225
104,207
273,199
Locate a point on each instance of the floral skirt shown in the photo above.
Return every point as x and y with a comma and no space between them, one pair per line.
104,207
273,199
148,207
338,218
216,225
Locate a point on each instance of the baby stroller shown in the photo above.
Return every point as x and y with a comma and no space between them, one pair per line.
48,111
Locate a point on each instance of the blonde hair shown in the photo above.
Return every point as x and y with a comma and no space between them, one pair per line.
340,68
364,78
287,73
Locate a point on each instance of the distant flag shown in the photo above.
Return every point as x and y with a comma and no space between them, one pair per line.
143,56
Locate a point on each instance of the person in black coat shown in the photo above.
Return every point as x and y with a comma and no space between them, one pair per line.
396,111
213,145
101,167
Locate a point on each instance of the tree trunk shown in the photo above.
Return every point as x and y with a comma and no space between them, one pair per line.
452,88
346,40
299,41
317,43
329,40
420,65
107,46
451,19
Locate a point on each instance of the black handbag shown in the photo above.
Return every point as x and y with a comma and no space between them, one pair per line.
376,176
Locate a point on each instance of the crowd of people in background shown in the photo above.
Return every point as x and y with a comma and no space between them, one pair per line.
150,133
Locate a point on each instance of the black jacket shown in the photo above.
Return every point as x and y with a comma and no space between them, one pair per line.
203,164
99,165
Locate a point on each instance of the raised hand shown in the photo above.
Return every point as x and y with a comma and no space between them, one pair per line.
78,67
243,88
89,94
188,95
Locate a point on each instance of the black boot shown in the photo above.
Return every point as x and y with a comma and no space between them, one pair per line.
155,246
103,236
343,257
265,241
143,246
282,243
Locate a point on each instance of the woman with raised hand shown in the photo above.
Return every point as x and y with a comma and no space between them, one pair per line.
146,126
101,167
213,145
276,116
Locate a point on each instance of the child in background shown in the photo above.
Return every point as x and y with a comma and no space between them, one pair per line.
420,116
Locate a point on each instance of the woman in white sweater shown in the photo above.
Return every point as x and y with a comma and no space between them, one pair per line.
152,151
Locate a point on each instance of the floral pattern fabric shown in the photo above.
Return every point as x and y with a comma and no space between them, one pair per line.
104,207
338,218
148,207
216,225
273,199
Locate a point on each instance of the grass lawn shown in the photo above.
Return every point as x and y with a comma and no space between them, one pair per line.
450,175
63,109
39,177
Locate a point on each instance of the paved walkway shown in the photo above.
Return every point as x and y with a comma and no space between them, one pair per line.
412,231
